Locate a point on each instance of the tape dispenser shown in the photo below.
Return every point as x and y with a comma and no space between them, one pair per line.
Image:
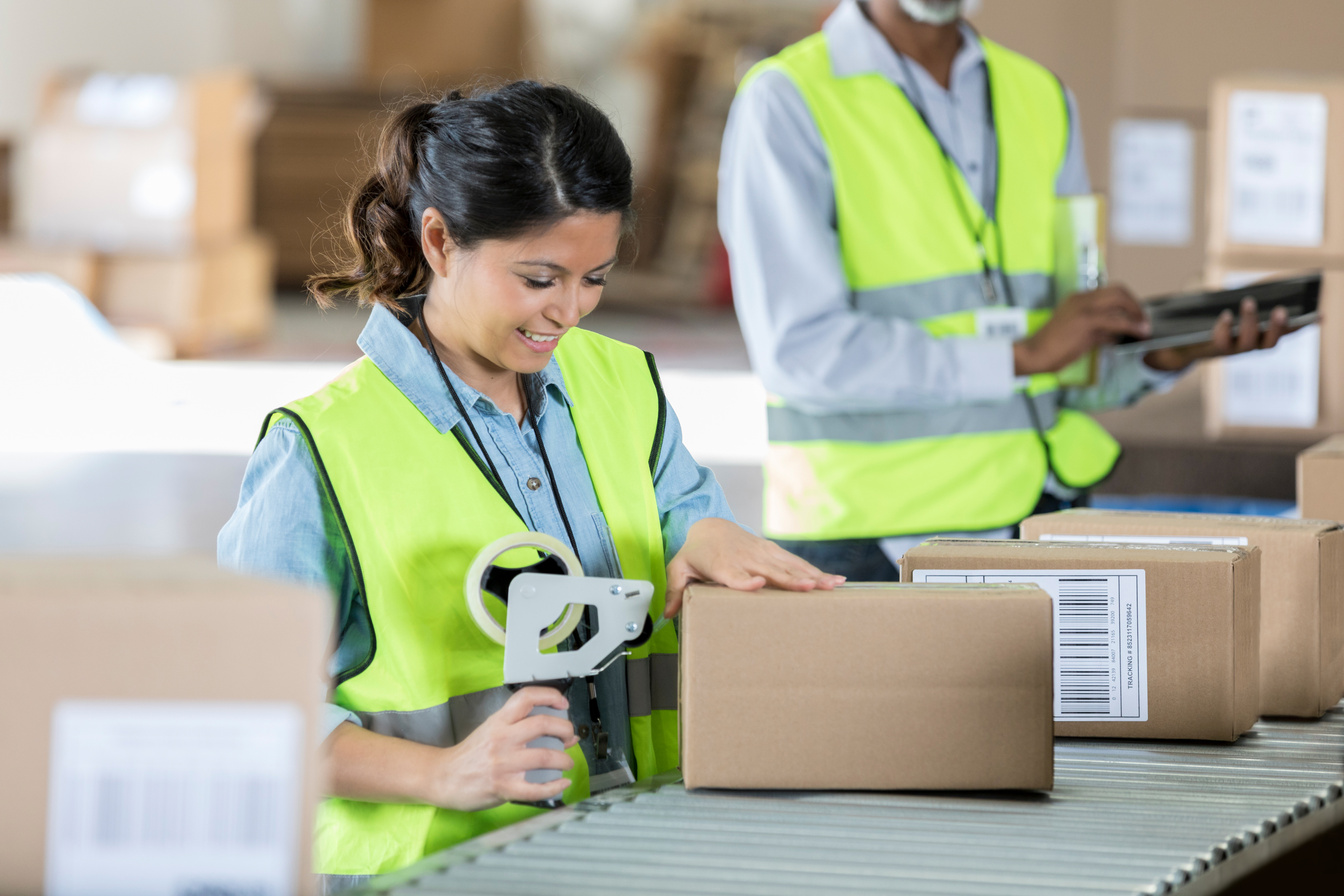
545,604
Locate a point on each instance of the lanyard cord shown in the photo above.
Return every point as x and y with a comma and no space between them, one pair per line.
915,95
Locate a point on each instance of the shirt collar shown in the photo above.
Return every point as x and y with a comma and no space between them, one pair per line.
858,48
396,352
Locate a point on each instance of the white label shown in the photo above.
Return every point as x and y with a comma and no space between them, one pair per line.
1001,323
1278,387
1152,182
1276,168
161,798
1101,638
1218,540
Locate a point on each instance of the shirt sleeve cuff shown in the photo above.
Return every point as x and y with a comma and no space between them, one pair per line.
985,368
333,716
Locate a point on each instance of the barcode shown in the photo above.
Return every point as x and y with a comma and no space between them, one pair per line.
1279,203
119,810
1084,647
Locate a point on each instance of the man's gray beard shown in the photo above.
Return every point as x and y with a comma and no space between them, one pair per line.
932,12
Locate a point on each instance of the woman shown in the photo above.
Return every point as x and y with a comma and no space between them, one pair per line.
480,409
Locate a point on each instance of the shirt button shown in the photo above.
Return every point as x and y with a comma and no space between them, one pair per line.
533,483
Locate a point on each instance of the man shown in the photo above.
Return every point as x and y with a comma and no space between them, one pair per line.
887,197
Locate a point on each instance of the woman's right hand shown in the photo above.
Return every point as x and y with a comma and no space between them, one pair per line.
1082,322
487,768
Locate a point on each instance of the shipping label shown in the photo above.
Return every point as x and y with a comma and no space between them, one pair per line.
1101,642
1215,540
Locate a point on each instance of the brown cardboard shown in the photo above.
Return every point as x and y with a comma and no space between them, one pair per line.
1330,252
1320,480
1228,270
210,296
1169,54
442,43
869,687
1203,619
93,184
148,629
78,267
1301,592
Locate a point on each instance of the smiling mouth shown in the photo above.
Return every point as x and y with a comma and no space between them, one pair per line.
537,337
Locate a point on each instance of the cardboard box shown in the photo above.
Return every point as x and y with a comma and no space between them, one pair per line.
211,296
6,184
1276,168
78,267
1320,480
1301,589
1154,641
1169,54
436,44
1277,383
125,671
869,687
143,162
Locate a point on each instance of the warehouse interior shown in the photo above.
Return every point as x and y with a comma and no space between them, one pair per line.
172,174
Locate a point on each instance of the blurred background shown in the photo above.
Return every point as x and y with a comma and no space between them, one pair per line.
178,165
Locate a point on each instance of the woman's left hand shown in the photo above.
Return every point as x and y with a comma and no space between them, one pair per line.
723,552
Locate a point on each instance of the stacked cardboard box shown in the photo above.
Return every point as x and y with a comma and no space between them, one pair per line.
6,184
1320,480
1276,206
438,44
152,171
165,730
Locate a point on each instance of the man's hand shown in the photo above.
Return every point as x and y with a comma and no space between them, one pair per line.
1248,338
721,551
1086,320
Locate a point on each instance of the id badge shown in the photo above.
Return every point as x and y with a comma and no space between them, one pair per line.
1001,322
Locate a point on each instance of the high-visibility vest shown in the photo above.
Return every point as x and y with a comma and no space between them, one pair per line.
414,506
907,252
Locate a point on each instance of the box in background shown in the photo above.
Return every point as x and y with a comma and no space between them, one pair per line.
158,682
6,184
1301,589
1181,658
144,162
1320,481
436,44
78,267
1293,394
208,297
1276,169
867,688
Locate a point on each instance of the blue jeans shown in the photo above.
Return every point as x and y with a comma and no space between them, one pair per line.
857,559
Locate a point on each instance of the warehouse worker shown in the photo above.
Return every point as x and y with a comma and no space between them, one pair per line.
887,197
480,409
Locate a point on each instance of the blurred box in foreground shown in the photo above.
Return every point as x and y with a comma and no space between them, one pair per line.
163,734
436,44
1320,481
1291,394
147,162
1301,589
1179,657
877,687
1276,169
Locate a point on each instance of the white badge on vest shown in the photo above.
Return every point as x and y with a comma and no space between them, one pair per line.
1001,322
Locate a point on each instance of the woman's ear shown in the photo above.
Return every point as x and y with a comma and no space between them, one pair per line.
435,242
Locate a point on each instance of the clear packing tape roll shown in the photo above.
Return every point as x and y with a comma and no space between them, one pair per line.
478,573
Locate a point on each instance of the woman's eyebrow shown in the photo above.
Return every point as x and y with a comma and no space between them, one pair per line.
544,263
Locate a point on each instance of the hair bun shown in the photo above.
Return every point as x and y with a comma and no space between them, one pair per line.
453,96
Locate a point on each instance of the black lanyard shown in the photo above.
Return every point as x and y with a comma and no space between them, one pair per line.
915,96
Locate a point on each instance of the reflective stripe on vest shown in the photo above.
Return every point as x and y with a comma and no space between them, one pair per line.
395,484
907,253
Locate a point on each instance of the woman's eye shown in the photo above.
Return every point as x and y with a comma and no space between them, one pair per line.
596,281
537,284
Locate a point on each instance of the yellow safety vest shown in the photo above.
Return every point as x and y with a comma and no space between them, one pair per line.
908,253
414,506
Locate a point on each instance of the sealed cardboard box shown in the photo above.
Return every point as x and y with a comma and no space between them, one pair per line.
1151,640
869,687
162,734
142,162
1293,394
210,296
442,43
1320,481
1301,589
1276,169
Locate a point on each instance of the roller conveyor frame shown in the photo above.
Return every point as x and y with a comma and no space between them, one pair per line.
1146,817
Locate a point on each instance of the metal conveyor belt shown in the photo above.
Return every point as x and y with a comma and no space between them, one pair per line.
1124,817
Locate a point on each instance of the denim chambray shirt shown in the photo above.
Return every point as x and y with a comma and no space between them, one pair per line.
282,527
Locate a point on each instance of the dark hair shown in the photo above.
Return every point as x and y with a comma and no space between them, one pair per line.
496,165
